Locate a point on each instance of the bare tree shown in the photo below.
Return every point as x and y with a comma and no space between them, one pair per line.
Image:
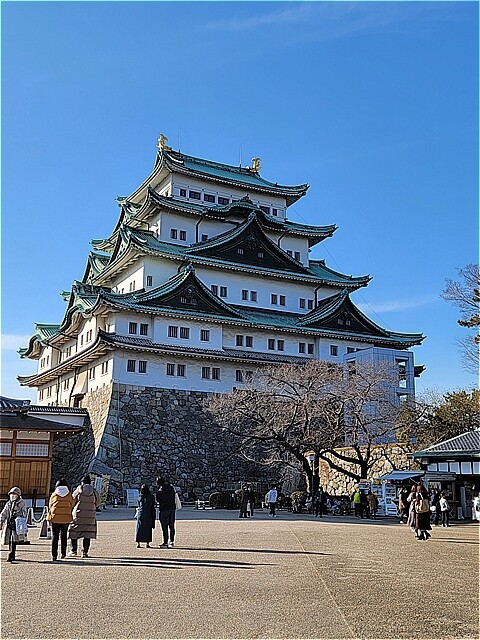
465,295
301,414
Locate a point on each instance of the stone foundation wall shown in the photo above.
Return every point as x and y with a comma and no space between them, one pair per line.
388,458
141,432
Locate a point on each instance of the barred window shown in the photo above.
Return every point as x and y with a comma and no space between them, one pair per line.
215,373
142,366
170,369
143,329
205,335
132,327
249,341
131,366
181,370
184,333
172,331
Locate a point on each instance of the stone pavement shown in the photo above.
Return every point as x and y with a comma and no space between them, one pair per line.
295,576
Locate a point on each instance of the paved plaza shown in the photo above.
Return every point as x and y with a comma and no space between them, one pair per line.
295,576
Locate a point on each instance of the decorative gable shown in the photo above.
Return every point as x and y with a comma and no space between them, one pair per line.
248,244
185,292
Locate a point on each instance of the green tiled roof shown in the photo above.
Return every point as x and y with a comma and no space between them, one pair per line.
319,269
219,172
146,241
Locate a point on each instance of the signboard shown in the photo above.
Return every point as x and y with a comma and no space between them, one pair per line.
132,497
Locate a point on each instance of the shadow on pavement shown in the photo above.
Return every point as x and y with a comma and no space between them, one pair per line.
280,551
170,563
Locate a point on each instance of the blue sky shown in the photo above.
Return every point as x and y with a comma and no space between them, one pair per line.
374,104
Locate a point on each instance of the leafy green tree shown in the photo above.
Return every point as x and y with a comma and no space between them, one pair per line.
435,419
465,294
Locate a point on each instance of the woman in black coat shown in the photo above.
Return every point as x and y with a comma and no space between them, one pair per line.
145,517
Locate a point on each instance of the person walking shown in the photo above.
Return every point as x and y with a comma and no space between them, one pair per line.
84,521
166,503
59,515
422,514
244,502
403,504
476,508
372,504
444,508
145,517
435,506
318,502
272,497
251,501
357,500
15,508
411,498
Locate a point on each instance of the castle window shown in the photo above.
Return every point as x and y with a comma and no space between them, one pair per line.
208,198
274,298
249,341
340,321
205,373
66,384
240,251
301,303
350,350
49,392
289,253
48,357
265,209
333,350
238,375
282,301
310,349
194,195
183,235
204,237
170,369
184,333
275,212
142,366
181,370
40,395
183,193
296,255
310,304
223,292
222,200
271,344
261,254
348,322
131,366
280,345
205,335
149,281
253,296
143,329
132,327
239,341
172,331
81,340
42,363
214,289
244,294
89,337
215,373
301,347
104,368
173,234
132,286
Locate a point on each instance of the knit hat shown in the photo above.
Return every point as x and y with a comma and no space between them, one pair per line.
15,490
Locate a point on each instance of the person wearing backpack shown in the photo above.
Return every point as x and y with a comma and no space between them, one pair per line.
422,514
444,508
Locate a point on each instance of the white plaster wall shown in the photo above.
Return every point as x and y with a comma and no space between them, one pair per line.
160,333
227,191
168,220
263,285
160,269
134,275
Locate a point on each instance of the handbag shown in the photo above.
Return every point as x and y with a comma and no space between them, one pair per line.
11,524
178,504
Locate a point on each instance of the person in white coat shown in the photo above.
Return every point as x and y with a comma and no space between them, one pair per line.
476,508
272,496
14,509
